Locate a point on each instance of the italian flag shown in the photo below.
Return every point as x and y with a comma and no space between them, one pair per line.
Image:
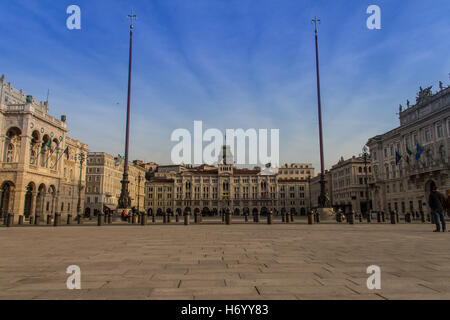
409,153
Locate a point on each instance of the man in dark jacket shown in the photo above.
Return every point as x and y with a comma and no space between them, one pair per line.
438,205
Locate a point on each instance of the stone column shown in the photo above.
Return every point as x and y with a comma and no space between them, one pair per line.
33,203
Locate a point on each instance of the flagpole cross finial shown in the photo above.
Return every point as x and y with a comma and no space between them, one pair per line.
315,21
132,17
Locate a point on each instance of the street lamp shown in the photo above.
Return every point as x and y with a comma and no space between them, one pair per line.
81,158
138,192
366,156
309,188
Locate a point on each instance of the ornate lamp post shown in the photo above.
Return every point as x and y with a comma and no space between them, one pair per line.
309,189
366,156
124,201
81,158
138,193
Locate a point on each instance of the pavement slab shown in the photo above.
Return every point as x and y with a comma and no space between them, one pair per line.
292,261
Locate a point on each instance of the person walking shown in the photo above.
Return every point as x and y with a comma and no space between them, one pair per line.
448,203
438,204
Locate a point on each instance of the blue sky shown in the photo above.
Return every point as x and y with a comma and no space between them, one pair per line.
230,63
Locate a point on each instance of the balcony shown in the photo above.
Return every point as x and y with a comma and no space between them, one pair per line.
433,167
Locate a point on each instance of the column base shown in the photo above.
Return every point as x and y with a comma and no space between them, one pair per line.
326,214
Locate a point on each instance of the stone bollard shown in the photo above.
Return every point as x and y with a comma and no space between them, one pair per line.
283,217
79,219
422,217
69,219
37,219
21,220
270,218
110,216
393,218
310,218
100,220
143,219
31,219
378,217
49,219
228,218
57,221
10,220
317,217
187,220
351,218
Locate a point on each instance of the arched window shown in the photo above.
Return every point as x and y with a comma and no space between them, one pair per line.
442,152
12,145
34,148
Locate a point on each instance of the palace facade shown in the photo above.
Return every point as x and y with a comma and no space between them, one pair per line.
348,191
41,167
407,160
103,182
210,189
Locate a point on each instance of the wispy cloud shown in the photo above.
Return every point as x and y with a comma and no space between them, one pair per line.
232,64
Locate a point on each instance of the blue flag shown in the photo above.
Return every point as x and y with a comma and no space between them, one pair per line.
398,157
419,151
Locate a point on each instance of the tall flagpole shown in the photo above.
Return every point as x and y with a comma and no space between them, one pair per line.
124,199
322,197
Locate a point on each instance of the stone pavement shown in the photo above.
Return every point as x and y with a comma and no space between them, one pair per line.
215,261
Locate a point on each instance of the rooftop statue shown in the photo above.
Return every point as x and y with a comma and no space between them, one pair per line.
423,94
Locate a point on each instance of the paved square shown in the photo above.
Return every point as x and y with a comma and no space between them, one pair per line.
214,261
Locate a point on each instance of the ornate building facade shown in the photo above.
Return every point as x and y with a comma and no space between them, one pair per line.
103,182
407,160
41,168
349,185
299,171
210,189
